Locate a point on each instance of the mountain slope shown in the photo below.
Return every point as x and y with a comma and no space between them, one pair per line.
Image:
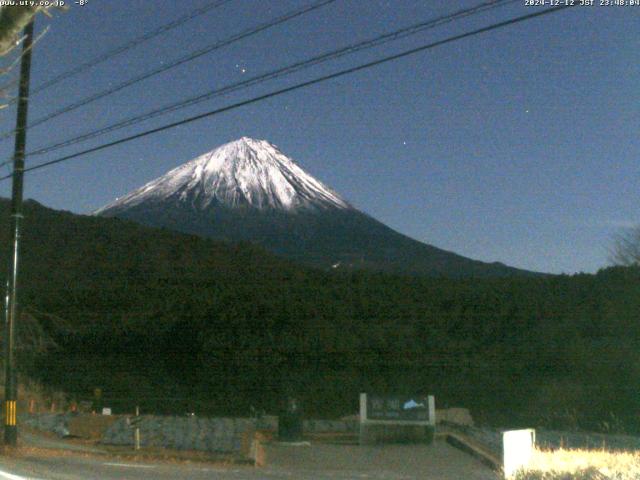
248,190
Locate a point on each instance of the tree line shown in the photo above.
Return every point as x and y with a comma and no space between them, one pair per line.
177,323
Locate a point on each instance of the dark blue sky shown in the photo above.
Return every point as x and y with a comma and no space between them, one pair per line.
520,145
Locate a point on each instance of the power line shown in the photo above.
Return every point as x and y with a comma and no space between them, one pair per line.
295,67
298,86
188,58
129,45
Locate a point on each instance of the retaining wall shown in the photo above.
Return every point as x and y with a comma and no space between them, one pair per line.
225,435
228,435
57,423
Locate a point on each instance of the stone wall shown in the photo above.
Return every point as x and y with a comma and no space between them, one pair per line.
225,435
228,435
456,416
57,423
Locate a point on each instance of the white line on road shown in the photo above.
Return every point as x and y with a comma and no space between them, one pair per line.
129,465
11,476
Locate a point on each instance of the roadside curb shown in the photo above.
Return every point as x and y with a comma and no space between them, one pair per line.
140,456
118,453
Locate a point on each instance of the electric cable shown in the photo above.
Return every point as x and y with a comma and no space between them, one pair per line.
128,46
287,70
298,86
180,61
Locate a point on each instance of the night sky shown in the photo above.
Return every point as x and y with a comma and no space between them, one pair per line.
521,145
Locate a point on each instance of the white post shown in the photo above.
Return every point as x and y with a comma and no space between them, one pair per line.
363,407
137,431
432,410
517,446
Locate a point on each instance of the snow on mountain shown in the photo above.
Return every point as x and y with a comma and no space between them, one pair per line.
243,173
248,191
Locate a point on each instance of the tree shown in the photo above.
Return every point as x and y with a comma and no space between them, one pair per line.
13,20
626,248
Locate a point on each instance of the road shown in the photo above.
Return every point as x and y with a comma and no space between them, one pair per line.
319,462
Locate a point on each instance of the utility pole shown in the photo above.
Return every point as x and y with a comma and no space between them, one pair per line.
11,301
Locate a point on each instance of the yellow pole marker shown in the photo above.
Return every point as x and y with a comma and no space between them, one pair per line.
10,412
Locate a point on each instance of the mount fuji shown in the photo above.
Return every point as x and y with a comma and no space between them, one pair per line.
247,190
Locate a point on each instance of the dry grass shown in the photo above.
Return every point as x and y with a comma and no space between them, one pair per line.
582,464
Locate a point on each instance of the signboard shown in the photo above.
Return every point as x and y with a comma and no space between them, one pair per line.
403,408
396,418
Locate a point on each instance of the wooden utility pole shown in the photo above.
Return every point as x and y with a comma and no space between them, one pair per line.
11,305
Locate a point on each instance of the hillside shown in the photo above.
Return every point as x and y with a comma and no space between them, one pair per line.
177,323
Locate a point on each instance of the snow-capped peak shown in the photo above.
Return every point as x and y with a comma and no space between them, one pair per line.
245,172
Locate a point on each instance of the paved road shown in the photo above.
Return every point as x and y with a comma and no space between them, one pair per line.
74,468
320,462
438,461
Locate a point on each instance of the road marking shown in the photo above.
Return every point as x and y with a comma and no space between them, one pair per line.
11,476
216,470
128,465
